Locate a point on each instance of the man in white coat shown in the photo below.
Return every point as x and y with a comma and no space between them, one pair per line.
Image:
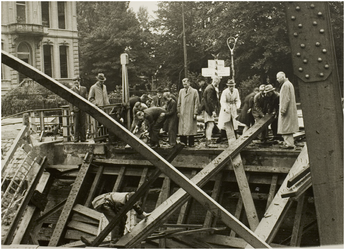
229,103
187,110
287,118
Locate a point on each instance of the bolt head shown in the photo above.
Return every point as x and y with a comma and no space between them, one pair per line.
322,31
319,14
317,44
300,25
293,18
312,6
319,59
298,8
295,34
302,45
307,76
324,51
326,66
321,74
298,54
300,69
314,23
305,61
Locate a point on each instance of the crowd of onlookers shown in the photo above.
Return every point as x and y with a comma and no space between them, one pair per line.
176,115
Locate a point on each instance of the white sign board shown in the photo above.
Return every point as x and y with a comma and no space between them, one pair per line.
215,68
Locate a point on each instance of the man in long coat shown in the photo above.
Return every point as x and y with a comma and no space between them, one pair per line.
287,118
187,110
211,102
246,116
79,116
229,103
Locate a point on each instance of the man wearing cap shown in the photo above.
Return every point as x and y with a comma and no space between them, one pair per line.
157,100
154,118
272,107
110,204
98,94
187,111
229,103
79,116
211,102
287,118
246,117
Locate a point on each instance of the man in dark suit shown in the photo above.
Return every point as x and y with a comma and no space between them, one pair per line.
154,118
171,118
79,116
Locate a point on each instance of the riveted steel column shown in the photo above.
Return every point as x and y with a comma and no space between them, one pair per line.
315,66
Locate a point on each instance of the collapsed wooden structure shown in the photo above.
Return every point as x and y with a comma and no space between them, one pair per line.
257,231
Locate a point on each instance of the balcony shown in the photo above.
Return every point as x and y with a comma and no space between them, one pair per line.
27,29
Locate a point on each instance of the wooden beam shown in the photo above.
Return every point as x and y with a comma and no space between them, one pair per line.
30,210
320,92
119,179
298,223
185,207
94,186
268,224
26,199
83,227
246,194
215,194
272,190
50,212
71,201
238,212
87,212
144,149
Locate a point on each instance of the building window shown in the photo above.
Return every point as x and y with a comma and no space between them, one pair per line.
45,14
61,15
47,55
63,62
23,53
21,15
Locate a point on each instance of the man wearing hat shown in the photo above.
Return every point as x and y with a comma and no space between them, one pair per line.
79,116
287,118
229,103
272,107
98,94
157,100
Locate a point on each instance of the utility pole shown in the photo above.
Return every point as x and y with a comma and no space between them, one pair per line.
125,85
184,44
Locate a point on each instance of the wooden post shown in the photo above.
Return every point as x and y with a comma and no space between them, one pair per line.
125,85
315,67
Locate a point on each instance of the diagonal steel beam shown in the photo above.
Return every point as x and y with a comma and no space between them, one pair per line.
138,145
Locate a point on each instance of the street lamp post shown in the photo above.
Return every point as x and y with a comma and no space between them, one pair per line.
231,42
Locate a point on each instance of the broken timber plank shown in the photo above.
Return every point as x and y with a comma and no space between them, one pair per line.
134,198
144,149
94,185
246,194
71,201
268,225
164,193
29,211
50,212
26,199
83,227
87,212
142,230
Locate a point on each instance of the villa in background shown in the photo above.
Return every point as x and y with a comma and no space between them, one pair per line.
43,34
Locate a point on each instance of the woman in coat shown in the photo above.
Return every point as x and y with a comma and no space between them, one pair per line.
229,103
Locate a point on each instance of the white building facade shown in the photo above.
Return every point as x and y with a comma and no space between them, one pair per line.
43,34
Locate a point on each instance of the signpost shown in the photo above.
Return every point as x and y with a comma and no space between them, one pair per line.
215,68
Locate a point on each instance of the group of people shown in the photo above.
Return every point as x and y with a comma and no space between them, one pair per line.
178,115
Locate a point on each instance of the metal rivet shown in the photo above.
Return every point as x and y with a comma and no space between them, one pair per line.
312,6
293,18
324,51
298,8
300,69
319,14
317,44
321,74
314,23
319,59
298,54
307,76
295,34
302,45
300,25
322,31
326,66
305,61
